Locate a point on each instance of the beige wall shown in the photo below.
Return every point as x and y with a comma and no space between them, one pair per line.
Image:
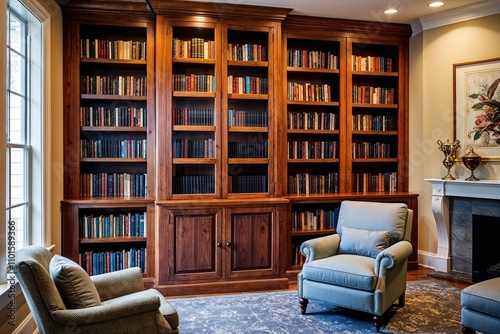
433,53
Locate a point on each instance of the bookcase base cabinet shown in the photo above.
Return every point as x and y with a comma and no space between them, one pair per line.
227,247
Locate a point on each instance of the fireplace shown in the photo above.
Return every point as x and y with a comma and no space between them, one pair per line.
485,247
454,203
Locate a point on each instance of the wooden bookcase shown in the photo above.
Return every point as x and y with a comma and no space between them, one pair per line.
233,146
109,140
342,143
234,221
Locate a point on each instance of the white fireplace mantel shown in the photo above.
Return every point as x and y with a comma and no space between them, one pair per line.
441,190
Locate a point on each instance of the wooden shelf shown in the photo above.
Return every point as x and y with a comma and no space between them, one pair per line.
114,97
114,129
106,240
296,233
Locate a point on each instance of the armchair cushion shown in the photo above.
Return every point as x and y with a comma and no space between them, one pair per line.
362,242
375,217
346,270
74,284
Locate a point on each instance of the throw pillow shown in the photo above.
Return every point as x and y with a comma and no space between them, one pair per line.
74,284
362,242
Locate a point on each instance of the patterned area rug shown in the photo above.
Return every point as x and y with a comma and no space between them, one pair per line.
431,307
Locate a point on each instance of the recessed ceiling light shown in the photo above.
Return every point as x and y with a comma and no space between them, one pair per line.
436,4
390,11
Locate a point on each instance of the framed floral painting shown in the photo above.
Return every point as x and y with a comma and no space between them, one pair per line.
477,107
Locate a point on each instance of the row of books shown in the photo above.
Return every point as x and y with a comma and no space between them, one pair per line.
319,219
374,181
186,148
373,95
371,63
113,185
114,117
247,118
247,150
194,116
305,149
308,120
373,123
96,263
132,224
120,85
247,85
312,59
112,49
247,52
308,92
306,183
194,83
97,148
377,150
193,184
297,257
248,183
193,48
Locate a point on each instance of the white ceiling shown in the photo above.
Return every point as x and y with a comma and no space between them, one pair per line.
409,11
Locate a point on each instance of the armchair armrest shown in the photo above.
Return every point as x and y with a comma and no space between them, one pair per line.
118,283
392,256
320,248
108,312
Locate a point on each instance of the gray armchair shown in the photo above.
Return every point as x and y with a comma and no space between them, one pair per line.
363,267
109,303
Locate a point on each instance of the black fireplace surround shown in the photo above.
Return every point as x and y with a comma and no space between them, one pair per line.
485,247
473,250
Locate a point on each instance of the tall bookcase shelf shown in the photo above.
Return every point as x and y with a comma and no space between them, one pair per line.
109,140
248,88
367,80
376,114
238,217
313,77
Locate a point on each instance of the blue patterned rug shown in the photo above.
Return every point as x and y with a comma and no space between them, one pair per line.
431,307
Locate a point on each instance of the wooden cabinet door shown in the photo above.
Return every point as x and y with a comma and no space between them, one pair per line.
251,242
194,246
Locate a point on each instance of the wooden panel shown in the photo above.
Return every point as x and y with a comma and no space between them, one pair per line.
253,251
193,252
251,241
194,239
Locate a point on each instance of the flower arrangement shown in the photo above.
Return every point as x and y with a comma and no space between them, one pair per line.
487,124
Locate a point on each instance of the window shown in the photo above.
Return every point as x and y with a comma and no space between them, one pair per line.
24,129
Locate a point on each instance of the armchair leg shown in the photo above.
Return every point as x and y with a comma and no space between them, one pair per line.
466,330
303,305
402,300
377,321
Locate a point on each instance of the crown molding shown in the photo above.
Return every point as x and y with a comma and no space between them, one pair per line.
455,15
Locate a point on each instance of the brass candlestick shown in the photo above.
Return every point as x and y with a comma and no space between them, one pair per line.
471,161
449,150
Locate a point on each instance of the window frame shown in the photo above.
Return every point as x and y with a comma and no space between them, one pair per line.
40,234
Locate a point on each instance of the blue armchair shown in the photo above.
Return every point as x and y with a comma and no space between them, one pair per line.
363,266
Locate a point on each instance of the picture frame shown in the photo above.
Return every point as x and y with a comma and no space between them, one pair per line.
476,107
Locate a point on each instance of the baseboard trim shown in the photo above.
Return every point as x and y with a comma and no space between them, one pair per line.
426,259
27,326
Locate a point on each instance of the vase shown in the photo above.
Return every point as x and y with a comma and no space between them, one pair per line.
471,160
450,151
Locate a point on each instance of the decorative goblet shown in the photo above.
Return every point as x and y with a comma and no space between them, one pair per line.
471,161
449,150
